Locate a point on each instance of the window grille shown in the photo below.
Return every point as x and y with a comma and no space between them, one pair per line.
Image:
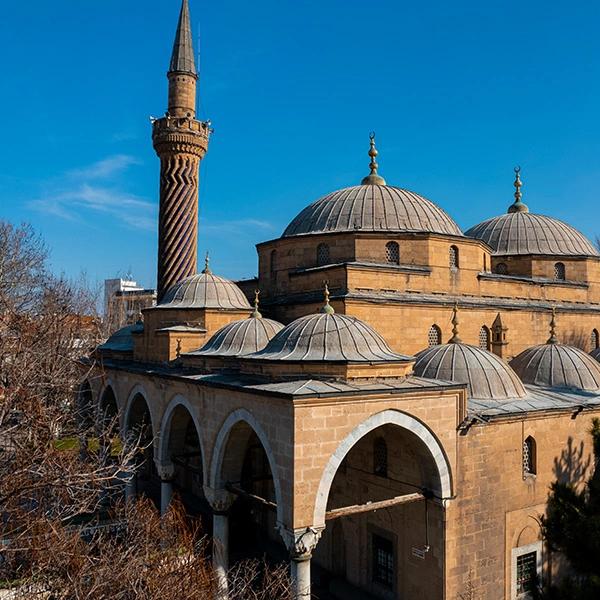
501,269
322,254
453,257
484,338
383,561
595,339
526,572
392,253
529,457
434,337
559,271
380,457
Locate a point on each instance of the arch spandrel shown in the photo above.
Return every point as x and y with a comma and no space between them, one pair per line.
442,487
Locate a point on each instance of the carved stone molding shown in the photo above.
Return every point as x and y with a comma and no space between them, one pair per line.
166,470
219,500
300,542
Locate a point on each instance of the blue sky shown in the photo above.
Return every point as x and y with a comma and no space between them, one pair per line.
458,93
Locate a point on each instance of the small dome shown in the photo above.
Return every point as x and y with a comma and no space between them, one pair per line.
372,208
205,290
523,232
240,337
122,340
486,375
559,366
327,336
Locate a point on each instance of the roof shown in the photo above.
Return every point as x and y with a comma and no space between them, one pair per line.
240,338
557,366
486,375
205,290
122,340
327,336
518,233
372,208
182,58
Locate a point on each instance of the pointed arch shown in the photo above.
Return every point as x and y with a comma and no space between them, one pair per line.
387,417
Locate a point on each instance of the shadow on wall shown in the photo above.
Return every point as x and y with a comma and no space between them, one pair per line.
570,466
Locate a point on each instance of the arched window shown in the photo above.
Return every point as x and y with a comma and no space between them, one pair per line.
273,262
392,253
559,271
434,337
322,254
529,457
595,339
453,257
380,457
501,269
484,338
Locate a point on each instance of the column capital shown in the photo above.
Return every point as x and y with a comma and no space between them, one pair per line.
300,542
166,470
220,500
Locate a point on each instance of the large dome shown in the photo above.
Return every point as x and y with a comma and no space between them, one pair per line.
558,366
522,232
327,336
372,206
205,290
487,376
241,337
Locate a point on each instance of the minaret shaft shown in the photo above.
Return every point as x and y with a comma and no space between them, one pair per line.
180,141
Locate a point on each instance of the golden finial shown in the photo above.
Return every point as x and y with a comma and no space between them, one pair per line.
255,312
455,339
373,178
517,205
206,264
327,308
178,348
553,339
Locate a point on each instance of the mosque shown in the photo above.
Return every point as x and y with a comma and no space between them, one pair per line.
390,415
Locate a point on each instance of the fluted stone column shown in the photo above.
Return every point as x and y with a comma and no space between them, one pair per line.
220,501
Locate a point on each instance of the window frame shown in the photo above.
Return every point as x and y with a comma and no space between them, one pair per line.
560,271
501,268
323,254
595,339
488,333
453,258
536,547
392,247
382,588
380,468
530,443
434,327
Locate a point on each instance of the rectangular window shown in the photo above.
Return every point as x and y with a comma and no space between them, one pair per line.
383,561
526,572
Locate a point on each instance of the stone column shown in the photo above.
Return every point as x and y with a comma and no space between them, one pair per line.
166,472
220,501
301,544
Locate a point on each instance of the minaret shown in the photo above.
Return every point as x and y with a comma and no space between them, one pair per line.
180,141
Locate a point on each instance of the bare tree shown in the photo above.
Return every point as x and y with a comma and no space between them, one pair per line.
64,532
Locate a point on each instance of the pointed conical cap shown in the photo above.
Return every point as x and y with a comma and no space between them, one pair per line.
182,59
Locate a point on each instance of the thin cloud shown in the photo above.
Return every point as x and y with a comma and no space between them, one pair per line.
107,167
242,226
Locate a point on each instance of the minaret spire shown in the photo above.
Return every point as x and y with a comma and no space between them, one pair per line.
180,141
182,59
518,205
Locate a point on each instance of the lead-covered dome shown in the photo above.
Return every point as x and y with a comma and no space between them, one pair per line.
522,232
241,337
205,290
372,206
487,376
558,366
327,336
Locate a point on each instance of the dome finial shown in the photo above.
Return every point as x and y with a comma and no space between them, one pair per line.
455,339
517,205
553,339
206,264
327,308
373,178
255,313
